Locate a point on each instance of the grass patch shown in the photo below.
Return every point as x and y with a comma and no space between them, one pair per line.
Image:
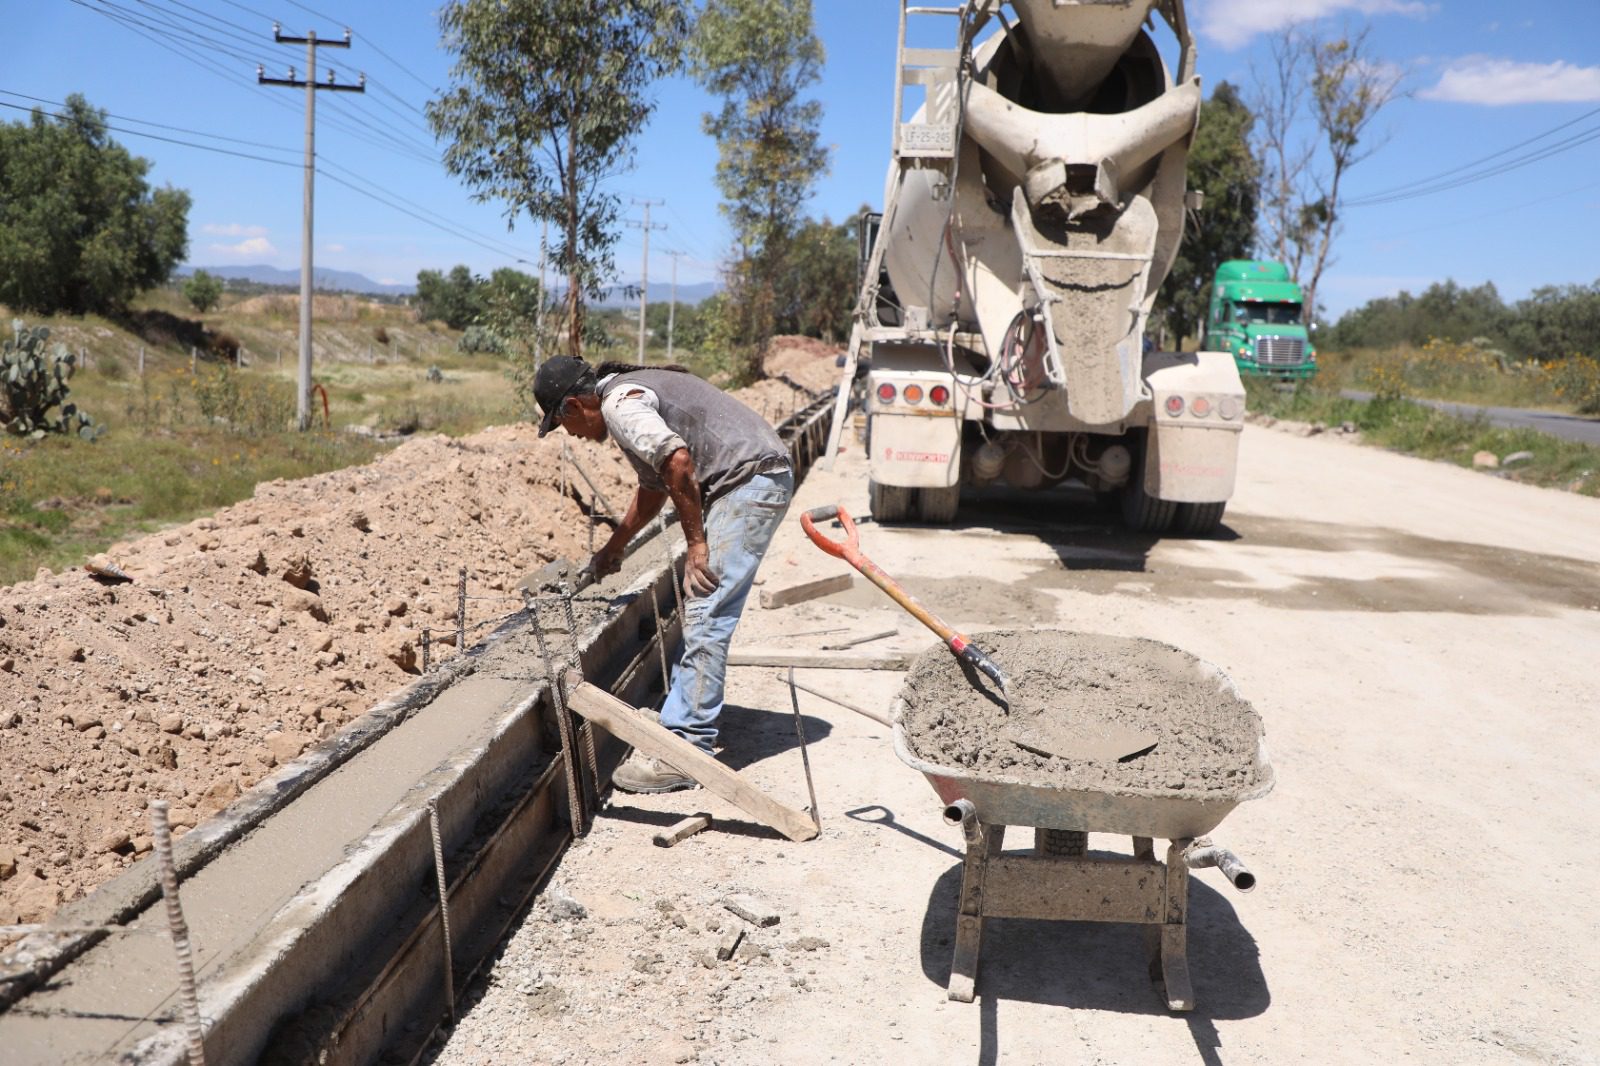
1401,425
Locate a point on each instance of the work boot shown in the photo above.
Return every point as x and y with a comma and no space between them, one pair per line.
647,774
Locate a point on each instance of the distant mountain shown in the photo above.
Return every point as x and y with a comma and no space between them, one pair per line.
326,280
350,281
661,292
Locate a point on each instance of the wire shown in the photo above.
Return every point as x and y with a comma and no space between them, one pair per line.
1560,147
158,125
420,218
1482,159
172,140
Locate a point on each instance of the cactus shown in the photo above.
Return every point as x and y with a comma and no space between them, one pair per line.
33,387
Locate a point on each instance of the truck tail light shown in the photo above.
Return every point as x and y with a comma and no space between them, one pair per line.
939,395
1228,407
1201,407
886,393
1174,405
912,393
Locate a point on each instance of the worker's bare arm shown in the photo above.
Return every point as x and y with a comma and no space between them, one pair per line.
645,506
679,475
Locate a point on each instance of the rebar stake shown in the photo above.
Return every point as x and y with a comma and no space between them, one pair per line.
444,910
805,758
569,747
189,1002
461,611
585,729
427,649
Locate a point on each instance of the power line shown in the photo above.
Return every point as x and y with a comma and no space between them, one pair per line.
157,125
420,218
1559,148
171,140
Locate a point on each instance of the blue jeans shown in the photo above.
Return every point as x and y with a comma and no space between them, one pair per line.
739,526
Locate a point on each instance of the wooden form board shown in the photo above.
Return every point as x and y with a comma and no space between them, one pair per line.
806,590
634,727
818,660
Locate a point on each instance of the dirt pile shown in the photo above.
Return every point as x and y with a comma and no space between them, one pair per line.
249,635
1208,736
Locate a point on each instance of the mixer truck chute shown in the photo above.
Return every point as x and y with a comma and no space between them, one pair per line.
1034,205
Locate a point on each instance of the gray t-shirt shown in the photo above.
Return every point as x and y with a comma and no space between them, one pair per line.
727,441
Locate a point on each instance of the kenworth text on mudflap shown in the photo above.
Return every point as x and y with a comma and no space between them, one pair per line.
1034,204
1256,314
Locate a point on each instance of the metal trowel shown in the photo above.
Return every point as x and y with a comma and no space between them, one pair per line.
557,575
1089,741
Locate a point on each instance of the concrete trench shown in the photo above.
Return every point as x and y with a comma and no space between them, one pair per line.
312,901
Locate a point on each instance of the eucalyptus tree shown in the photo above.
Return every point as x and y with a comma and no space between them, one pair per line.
547,100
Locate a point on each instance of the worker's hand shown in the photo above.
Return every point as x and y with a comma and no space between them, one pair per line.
698,578
606,561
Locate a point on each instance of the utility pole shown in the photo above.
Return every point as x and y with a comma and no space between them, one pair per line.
538,312
644,272
672,308
310,85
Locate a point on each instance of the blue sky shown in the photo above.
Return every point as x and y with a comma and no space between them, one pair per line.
1482,76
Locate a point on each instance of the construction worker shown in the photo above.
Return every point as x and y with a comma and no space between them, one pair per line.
730,478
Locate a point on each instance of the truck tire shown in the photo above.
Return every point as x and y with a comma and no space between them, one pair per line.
889,503
1142,512
1198,519
939,506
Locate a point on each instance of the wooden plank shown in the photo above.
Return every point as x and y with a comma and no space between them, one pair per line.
818,660
680,831
806,590
634,727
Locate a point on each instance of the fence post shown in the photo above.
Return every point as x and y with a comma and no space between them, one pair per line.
141,360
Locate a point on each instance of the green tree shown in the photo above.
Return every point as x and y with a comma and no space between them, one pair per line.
80,228
760,56
203,290
816,283
549,97
1223,167
456,299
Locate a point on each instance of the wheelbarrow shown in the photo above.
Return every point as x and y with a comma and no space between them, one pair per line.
1060,880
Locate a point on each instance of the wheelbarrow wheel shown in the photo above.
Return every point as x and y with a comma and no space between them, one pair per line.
1060,843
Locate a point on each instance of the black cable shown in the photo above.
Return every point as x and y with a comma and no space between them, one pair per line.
1560,148
171,140
1408,186
426,221
158,125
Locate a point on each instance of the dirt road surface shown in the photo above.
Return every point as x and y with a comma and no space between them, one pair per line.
1420,642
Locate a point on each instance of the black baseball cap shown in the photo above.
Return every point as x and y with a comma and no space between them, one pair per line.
557,379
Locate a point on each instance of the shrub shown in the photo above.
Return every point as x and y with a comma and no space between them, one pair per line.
381,335
33,384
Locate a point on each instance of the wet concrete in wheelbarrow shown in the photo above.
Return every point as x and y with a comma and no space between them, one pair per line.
1208,736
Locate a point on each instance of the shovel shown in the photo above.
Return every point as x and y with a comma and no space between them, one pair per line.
849,549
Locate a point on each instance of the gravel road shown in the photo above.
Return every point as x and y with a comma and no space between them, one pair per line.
1420,642
1585,430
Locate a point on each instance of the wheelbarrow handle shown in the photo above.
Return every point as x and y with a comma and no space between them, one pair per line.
849,548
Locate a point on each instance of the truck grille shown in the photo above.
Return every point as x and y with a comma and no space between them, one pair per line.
1280,351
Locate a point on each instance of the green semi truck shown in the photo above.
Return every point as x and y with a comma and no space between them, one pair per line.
1256,317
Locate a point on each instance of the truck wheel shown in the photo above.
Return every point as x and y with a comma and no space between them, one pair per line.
939,506
1142,512
1198,519
889,503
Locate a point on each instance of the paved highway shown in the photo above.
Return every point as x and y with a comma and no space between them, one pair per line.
1570,427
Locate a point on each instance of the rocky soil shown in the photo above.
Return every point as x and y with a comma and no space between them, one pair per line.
247,636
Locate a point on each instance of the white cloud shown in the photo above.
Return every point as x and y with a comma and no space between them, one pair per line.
233,229
1485,80
333,247
249,248
1232,23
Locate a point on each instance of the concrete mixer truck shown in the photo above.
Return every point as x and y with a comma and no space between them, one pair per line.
1034,204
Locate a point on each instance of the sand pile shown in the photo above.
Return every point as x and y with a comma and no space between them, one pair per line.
1207,736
